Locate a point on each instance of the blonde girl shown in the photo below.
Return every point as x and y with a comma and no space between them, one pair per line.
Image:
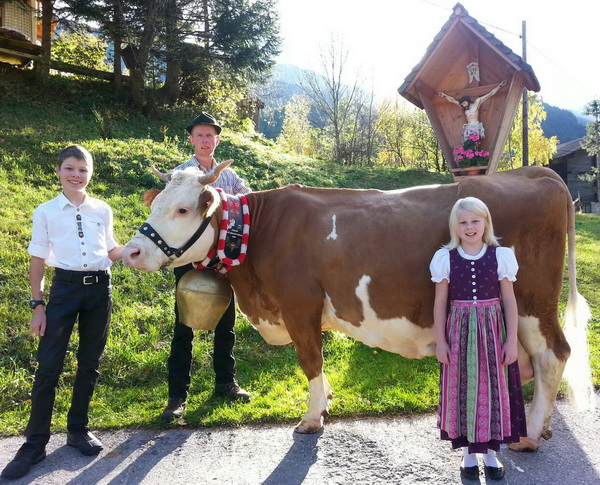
475,322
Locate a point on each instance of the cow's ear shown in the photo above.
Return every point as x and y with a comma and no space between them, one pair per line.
207,203
150,195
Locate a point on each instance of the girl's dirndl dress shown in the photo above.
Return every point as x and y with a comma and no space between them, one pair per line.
481,401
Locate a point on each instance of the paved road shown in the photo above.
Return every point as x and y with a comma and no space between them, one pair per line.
364,451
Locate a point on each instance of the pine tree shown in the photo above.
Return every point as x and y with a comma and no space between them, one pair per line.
591,142
232,40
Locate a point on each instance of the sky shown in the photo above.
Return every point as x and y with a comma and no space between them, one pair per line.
386,39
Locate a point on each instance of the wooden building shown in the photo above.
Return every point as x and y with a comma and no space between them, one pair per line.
18,31
572,162
465,59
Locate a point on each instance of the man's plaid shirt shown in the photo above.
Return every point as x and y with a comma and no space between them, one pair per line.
228,180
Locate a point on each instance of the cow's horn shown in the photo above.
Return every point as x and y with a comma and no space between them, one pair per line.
213,175
165,177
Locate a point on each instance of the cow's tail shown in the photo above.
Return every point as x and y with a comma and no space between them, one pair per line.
578,374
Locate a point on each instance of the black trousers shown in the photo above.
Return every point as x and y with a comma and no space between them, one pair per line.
71,298
180,359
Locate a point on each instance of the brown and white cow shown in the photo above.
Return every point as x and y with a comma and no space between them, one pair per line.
357,261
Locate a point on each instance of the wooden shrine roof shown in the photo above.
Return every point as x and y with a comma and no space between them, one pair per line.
459,21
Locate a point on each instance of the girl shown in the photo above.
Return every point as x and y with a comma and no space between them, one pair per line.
481,401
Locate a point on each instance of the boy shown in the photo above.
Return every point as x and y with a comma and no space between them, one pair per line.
74,234
205,137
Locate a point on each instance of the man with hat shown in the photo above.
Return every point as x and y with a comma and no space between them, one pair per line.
204,136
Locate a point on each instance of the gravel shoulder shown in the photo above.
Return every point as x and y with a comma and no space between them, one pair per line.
400,450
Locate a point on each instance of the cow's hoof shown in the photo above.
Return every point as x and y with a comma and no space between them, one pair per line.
547,434
308,426
525,444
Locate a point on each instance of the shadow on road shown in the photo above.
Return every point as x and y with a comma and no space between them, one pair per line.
297,462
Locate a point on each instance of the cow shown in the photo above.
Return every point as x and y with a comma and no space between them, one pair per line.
357,261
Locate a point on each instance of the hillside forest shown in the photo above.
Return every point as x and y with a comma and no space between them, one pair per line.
220,55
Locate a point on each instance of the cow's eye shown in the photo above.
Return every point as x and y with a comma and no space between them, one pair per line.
182,211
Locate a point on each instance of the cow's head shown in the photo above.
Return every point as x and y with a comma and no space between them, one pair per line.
177,213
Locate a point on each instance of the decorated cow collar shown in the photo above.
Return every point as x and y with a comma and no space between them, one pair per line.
232,244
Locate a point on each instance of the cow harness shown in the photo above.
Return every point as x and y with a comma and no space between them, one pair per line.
173,253
233,236
232,245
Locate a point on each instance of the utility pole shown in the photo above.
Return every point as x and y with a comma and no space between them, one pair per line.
525,101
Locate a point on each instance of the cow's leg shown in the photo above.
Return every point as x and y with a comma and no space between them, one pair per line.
320,395
547,373
525,365
305,330
310,359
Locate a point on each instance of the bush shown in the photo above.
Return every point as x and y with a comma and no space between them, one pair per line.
80,49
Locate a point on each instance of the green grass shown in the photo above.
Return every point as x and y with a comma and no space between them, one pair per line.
132,389
588,280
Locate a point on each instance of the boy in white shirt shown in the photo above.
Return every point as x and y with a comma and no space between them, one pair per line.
74,234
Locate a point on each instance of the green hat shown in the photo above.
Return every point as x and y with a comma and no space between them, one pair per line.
203,119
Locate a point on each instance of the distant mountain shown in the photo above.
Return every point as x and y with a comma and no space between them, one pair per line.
285,83
275,94
563,124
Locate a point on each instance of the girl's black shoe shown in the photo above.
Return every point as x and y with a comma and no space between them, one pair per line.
494,473
470,472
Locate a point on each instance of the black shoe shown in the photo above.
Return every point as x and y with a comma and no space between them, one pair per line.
494,473
20,465
233,391
174,410
85,442
470,472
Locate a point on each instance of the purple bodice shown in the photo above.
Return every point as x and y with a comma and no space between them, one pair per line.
474,279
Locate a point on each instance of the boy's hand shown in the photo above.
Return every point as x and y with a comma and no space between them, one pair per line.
38,321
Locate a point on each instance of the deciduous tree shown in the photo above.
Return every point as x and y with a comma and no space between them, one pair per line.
297,134
541,148
338,102
406,139
81,49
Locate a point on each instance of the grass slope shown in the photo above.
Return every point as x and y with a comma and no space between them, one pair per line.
35,124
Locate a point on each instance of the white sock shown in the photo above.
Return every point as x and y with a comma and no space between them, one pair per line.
469,459
490,459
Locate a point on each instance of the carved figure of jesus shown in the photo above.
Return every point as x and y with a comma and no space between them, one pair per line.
471,108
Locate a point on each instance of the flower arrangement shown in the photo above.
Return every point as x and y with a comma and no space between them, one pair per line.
470,154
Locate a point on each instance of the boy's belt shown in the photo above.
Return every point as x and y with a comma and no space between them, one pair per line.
83,277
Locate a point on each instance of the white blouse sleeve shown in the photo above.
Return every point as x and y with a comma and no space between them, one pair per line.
507,264
440,266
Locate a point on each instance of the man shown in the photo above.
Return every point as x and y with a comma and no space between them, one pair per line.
204,136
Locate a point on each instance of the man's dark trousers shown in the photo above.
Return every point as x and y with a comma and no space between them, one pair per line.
180,359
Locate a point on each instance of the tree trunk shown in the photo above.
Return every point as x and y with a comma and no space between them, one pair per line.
117,41
138,78
171,88
43,67
205,72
